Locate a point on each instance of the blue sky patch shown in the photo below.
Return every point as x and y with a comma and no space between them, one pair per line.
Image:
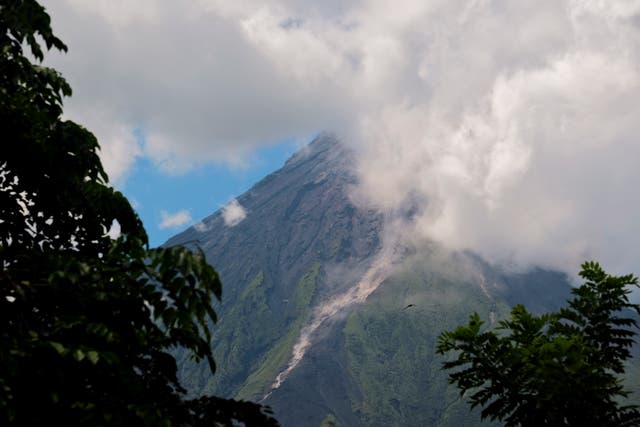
158,197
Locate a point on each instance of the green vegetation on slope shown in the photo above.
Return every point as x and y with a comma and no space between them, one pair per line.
277,357
236,339
330,421
249,358
391,349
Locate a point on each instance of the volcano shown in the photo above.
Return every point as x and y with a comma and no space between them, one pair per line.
328,317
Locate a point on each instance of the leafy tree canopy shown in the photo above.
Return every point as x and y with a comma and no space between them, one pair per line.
87,322
558,369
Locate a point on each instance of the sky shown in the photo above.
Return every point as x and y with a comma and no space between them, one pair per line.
513,126
169,203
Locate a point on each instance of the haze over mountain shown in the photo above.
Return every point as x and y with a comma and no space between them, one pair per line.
328,316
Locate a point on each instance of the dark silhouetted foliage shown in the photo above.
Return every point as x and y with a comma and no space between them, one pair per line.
87,322
558,369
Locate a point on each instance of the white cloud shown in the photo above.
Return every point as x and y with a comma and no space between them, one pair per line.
189,76
114,230
517,122
118,146
178,219
201,227
526,157
233,213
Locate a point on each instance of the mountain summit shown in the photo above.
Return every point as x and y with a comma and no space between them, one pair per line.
328,322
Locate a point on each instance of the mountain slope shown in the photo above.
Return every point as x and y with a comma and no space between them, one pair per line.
299,224
306,272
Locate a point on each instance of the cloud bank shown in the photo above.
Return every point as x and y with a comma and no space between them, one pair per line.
512,125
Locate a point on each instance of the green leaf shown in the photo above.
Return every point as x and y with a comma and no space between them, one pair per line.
58,347
78,354
93,356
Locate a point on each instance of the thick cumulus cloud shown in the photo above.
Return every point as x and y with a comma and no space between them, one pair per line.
512,125
189,76
524,148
